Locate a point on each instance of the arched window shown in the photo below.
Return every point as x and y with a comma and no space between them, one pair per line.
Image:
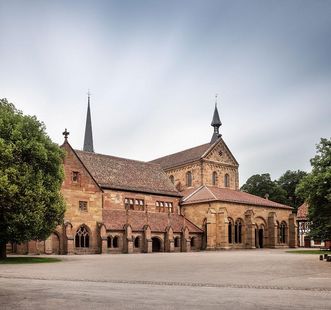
188,178
137,242
282,233
238,231
109,245
82,238
230,227
177,242
172,179
115,242
214,178
226,180
192,242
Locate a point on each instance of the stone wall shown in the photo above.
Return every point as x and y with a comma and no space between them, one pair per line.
215,218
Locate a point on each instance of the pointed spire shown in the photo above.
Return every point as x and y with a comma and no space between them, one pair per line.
216,123
88,139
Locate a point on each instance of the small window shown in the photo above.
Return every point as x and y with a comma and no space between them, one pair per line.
83,206
129,203
177,242
172,179
227,180
192,242
75,176
171,207
214,178
188,178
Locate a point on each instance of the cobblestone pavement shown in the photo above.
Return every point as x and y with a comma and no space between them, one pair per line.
249,279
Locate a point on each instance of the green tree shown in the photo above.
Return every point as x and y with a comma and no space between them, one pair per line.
262,185
288,182
31,175
315,188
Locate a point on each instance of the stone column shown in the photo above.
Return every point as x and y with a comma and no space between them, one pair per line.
48,245
103,238
292,231
128,243
211,230
169,240
70,238
272,230
222,228
148,239
185,238
250,230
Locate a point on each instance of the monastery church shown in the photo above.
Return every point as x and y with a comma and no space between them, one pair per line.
187,201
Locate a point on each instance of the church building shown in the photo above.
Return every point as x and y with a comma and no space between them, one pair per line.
187,201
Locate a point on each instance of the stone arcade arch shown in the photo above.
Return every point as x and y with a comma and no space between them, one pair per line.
156,244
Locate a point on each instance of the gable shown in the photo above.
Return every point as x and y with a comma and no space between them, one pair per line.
72,163
220,153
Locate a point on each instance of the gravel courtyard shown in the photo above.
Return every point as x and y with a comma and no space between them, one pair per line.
246,279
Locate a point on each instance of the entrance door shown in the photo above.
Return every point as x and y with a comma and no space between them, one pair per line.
156,244
260,238
307,242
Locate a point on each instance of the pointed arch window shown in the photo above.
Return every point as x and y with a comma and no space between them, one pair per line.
226,180
214,178
188,178
115,242
172,179
238,231
82,238
282,233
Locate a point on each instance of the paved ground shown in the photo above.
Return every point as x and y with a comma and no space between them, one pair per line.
251,279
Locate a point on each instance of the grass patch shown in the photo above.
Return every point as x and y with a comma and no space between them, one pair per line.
309,252
29,260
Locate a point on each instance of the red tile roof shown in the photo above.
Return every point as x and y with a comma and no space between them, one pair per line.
302,213
212,193
182,157
126,174
158,222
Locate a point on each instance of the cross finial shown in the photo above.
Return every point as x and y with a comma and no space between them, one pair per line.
66,134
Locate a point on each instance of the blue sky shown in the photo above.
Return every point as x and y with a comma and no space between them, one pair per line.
153,68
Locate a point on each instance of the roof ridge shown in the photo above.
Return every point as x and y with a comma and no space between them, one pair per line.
211,193
117,157
191,148
194,192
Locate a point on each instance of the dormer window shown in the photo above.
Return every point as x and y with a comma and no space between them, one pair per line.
75,176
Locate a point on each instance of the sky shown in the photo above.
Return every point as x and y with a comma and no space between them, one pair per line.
153,69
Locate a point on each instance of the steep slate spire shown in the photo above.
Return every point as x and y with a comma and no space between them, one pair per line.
216,123
88,139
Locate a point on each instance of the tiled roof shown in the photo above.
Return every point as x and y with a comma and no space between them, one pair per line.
212,193
302,213
126,174
182,157
158,222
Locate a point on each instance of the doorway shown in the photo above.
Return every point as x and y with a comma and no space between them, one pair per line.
156,244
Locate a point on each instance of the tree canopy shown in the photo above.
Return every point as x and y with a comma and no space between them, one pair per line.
31,175
288,182
315,189
262,185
